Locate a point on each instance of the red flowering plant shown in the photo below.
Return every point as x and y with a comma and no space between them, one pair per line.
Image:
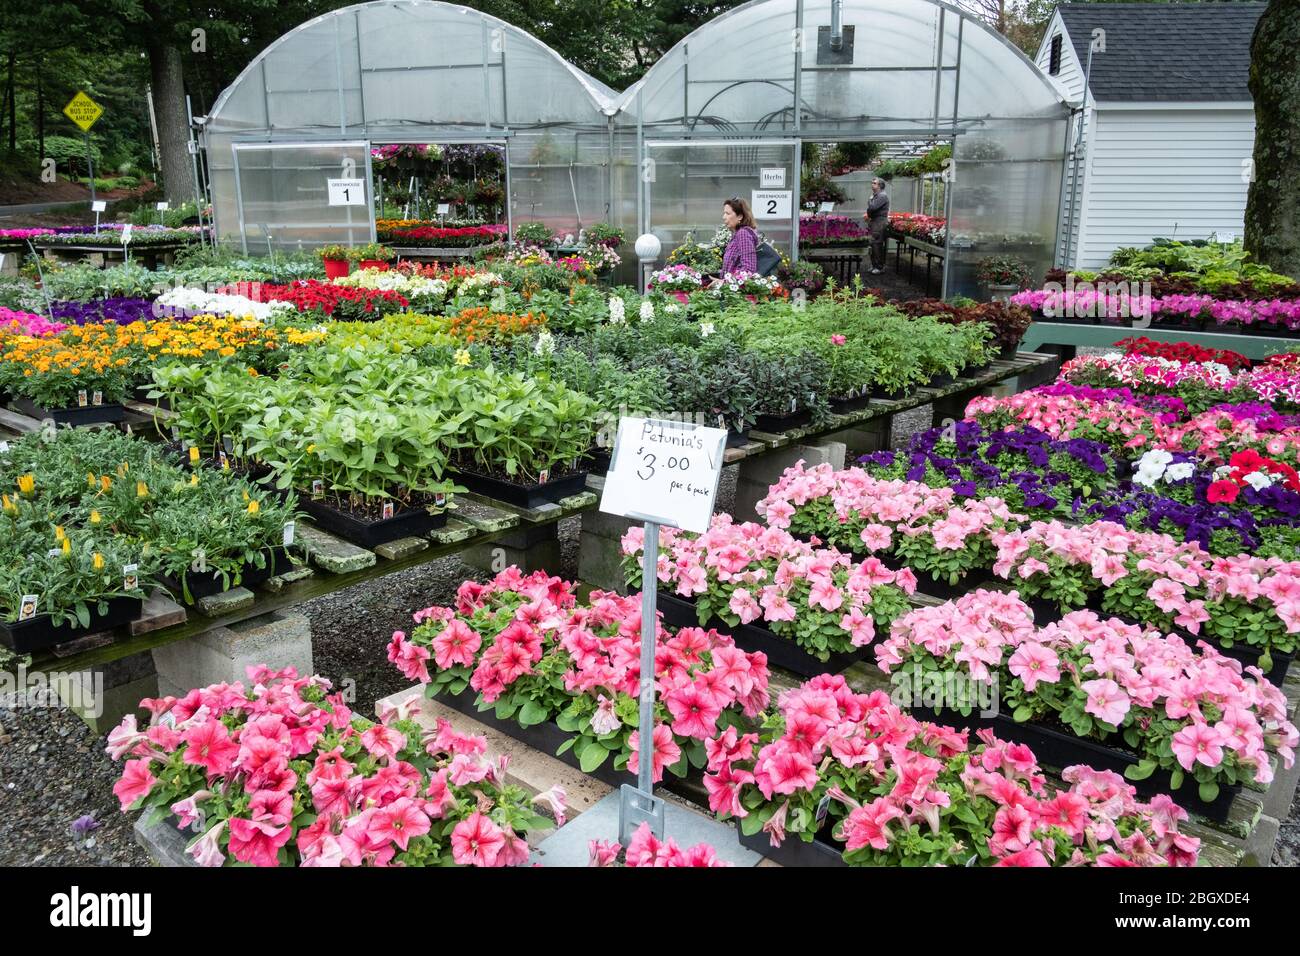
1183,352
891,790
533,654
282,773
1192,714
820,598
327,300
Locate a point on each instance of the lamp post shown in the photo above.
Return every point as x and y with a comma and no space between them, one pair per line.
648,248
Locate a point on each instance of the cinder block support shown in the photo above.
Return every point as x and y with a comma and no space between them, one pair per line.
760,472
530,548
102,695
872,435
223,654
600,558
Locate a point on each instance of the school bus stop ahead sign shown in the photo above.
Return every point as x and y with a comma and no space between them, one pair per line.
83,111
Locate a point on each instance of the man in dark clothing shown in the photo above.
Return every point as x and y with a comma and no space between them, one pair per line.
877,217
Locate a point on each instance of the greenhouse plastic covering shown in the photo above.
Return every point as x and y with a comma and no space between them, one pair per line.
738,95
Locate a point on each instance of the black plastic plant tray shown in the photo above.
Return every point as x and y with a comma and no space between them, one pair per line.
370,534
205,585
75,415
795,852
522,496
781,651
36,634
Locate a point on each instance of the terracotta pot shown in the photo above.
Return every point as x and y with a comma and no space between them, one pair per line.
335,268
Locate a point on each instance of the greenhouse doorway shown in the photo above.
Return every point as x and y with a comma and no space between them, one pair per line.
296,196
447,193
685,182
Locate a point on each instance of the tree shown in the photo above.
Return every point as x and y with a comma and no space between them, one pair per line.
1273,202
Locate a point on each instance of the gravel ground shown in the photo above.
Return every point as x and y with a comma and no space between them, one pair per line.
53,770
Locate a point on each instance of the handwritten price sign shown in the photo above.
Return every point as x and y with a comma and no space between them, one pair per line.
665,472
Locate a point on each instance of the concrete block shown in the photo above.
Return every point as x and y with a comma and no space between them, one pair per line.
453,531
401,548
330,553
227,602
281,639
604,525
600,563
102,695
280,581
496,556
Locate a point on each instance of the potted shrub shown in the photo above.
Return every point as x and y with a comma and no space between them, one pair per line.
336,260
1003,276
804,274
534,234
603,234
374,256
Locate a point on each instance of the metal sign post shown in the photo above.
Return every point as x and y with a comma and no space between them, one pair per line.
661,473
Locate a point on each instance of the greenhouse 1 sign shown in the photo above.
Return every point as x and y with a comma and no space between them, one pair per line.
347,192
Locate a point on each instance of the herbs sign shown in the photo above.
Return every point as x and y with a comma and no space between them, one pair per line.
347,192
665,472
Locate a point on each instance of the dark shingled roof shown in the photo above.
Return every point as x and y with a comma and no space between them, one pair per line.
1166,51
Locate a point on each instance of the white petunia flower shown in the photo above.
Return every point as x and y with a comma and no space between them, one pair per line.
1180,472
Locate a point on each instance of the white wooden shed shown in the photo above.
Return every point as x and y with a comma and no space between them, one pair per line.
1164,141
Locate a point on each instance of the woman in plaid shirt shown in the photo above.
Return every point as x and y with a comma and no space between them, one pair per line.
741,254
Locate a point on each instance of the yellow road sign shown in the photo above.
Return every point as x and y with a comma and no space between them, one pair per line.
83,111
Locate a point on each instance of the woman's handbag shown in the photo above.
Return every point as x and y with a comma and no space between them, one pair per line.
767,259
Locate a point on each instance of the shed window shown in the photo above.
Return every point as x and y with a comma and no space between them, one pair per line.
1054,64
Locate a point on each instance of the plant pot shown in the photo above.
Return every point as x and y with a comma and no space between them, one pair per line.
408,523
780,651
1008,352
974,371
598,460
681,297
846,405
75,415
1002,293
205,585
927,583
523,496
795,852
737,439
775,424
939,381
335,268
142,395
24,637
888,394
377,264
1060,749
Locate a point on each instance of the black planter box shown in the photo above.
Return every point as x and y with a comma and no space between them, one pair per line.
888,394
1249,656
370,534
775,424
793,851
939,381
548,738
90,415
927,583
737,439
523,496
781,651
23,637
1059,749
974,371
842,406
598,461
205,585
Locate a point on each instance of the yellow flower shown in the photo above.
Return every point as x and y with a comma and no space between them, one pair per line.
99,561
9,505
105,482
90,479
95,518
67,546
27,483
253,507
122,469
194,453
311,448
245,495
463,357
58,533
141,490
194,478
